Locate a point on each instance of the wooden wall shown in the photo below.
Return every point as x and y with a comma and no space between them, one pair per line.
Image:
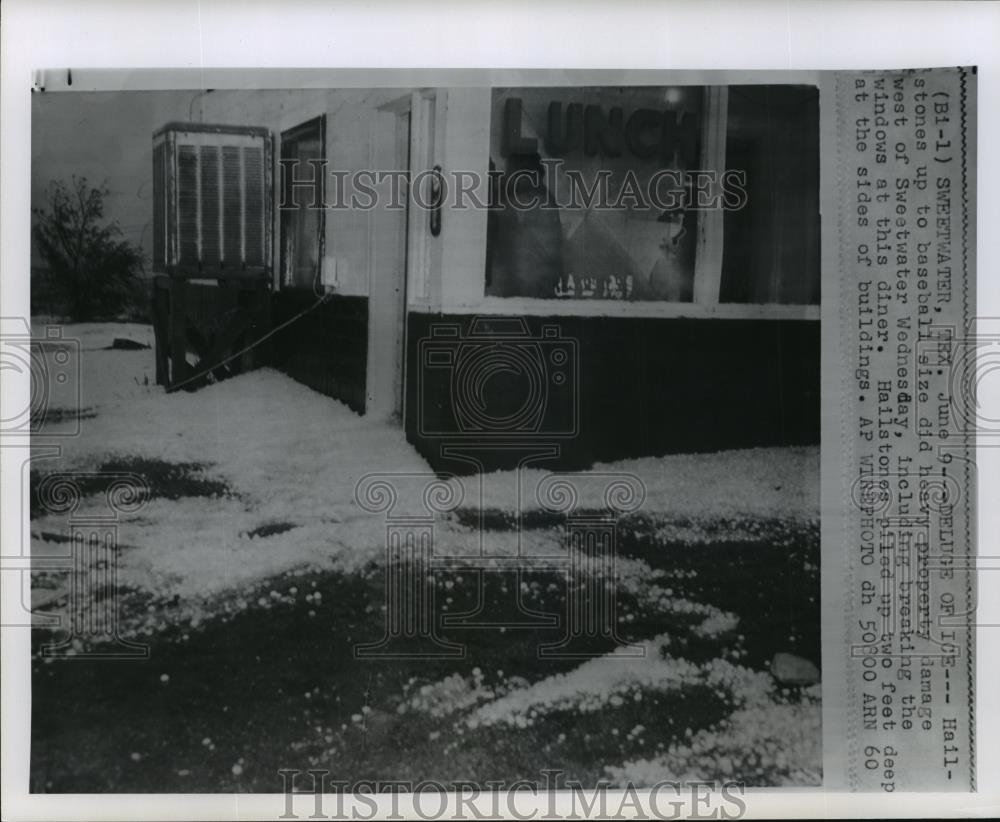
326,347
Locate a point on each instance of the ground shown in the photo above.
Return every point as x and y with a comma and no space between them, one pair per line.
251,574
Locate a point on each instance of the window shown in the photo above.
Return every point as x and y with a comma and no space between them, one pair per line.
674,194
771,247
302,223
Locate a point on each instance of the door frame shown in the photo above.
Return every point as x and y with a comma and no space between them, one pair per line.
398,246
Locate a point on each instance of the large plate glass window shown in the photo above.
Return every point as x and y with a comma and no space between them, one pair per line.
678,194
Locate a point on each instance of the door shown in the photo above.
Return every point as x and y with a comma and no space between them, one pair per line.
302,222
404,136
388,285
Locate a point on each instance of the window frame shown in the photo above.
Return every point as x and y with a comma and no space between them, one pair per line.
707,280
292,135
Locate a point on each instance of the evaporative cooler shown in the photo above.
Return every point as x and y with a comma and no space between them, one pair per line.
211,200
211,251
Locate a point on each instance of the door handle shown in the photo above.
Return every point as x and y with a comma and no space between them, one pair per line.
437,200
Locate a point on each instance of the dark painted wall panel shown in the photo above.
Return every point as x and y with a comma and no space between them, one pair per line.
327,347
647,387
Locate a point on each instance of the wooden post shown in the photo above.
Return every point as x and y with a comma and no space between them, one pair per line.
161,329
178,331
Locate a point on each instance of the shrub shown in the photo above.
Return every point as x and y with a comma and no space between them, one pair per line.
92,270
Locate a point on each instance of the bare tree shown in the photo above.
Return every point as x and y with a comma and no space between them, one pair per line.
91,267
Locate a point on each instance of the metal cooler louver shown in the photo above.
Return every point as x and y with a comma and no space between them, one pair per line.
211,200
